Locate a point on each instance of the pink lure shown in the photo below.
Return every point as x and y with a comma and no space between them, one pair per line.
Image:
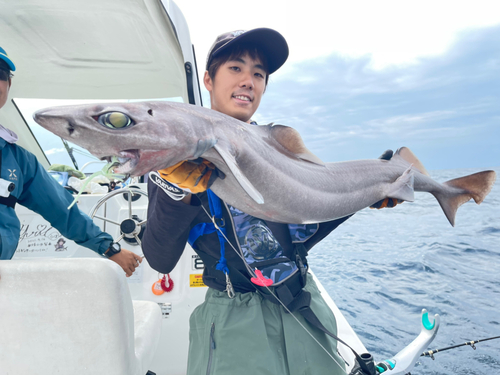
261,280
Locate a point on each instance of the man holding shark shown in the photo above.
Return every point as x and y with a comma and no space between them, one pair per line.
240,328
262,309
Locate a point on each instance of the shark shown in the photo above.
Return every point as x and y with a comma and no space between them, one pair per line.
269,172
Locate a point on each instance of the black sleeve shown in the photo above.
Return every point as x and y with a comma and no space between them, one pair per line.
167,230
324,230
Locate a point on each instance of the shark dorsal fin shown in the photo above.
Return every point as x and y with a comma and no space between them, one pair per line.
291,140
406,154
242,180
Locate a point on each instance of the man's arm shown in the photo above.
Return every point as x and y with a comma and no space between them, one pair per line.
324,230
387,202
169,224
44,195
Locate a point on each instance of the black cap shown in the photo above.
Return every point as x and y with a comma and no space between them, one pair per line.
271,42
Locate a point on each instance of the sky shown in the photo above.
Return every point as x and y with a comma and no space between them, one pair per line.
366,76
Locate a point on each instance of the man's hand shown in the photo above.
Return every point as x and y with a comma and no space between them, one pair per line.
194,176
387,155
127,260
387,202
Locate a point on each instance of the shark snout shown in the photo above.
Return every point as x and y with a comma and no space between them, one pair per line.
53,121
42,115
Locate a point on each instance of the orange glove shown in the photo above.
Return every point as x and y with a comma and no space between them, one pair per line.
387,202
195,176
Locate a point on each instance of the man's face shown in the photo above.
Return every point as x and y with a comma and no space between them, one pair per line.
4,88
237,87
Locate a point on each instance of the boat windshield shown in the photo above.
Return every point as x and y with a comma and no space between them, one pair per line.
57,150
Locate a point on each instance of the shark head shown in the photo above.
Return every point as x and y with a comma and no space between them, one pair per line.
144,136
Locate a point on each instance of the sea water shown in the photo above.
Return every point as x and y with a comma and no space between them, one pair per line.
382,267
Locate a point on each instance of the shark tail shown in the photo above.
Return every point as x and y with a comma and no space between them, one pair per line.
460,190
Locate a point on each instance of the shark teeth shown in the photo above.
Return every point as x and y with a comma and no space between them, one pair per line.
123,160
128,160
125,156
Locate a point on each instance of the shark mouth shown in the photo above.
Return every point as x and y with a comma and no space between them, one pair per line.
127,161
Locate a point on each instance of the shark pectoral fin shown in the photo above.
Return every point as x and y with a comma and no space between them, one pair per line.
402,188
243,181
291,140
406,154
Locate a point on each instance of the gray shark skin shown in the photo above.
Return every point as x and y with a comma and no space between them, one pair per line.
269,172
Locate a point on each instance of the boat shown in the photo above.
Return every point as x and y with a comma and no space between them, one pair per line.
64,309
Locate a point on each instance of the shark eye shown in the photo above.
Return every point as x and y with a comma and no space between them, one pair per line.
114,120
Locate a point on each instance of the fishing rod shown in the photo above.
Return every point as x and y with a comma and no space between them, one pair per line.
431,353
70,152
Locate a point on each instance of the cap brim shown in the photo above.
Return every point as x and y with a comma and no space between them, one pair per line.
272,43
8,61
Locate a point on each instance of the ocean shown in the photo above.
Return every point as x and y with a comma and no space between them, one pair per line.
382,267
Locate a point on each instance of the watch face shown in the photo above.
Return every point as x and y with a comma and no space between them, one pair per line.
114,248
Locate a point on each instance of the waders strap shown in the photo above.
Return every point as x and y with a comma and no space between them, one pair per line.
201,229
301,262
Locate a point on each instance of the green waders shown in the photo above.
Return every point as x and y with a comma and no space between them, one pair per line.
251,335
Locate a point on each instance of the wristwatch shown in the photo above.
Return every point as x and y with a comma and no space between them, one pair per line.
113,249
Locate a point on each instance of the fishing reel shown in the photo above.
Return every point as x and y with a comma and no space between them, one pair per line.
364,365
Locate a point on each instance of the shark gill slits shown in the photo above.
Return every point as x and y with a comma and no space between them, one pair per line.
70,128
114,120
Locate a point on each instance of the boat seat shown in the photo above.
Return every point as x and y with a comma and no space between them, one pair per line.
73,316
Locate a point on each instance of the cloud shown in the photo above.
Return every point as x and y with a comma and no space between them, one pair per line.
345,109
53,151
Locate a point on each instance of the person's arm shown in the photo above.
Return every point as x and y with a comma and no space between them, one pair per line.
167,231
324,230
44,195
386,202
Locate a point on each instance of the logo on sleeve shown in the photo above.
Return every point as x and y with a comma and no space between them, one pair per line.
12,174
171,190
